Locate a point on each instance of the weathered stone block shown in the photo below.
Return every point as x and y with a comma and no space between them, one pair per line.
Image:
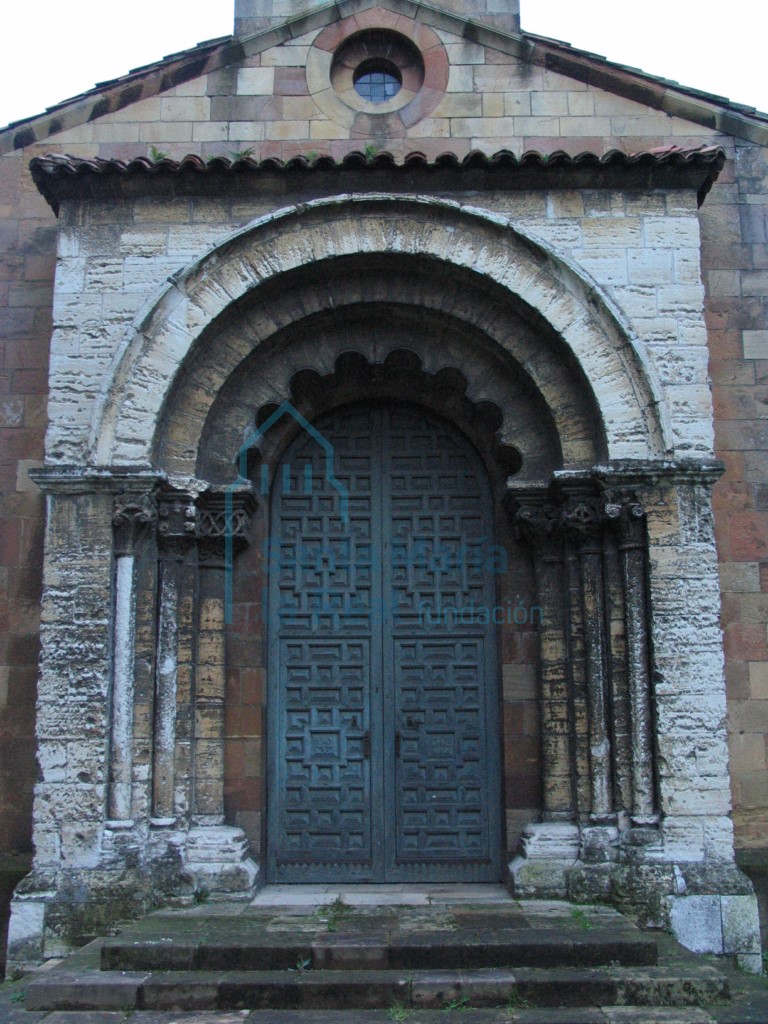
696,923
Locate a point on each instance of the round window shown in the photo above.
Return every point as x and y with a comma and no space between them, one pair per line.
377,71
377,80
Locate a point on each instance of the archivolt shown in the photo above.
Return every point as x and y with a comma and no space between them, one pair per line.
541,289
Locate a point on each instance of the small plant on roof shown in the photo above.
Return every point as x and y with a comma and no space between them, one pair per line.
157,155
241,154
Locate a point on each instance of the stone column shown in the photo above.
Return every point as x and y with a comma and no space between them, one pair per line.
132,516
216,855
581,518
176,532
536,521
549,848
625,511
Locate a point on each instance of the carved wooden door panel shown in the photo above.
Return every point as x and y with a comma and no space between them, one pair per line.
383,725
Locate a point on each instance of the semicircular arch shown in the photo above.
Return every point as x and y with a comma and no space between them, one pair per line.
484,247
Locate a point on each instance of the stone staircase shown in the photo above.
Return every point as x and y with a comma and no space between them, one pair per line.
496,961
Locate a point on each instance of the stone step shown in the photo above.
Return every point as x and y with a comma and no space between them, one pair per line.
424,950
343,990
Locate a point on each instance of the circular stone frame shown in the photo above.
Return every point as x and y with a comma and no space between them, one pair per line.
415,49
370,46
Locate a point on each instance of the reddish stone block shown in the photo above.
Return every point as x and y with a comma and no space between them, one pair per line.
522,790
733,403
428,98
30,382
748,536
381,17
745,642
291,82
252,681
737,680
742,435
234,763
727,496
232,687
514,720
334,35
730,609
10,543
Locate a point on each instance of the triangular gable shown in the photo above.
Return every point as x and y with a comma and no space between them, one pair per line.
713,112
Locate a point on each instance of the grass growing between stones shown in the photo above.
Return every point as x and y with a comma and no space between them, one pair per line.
398,1012
335,912
459,1003
516,1002
581,918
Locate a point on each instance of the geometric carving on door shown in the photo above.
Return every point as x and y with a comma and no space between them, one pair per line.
383,730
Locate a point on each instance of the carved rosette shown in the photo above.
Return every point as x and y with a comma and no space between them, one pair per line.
131,517
582,520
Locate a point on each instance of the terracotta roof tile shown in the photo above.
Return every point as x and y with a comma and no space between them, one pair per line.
60,176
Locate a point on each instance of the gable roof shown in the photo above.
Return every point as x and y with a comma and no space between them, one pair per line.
715,112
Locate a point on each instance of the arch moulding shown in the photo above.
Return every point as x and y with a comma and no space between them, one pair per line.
129,414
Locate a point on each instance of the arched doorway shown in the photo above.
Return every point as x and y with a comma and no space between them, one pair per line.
384,720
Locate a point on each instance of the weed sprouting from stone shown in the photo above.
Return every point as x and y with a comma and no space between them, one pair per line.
581,918
459,1003
398,1012
335,912
516,1002
302,965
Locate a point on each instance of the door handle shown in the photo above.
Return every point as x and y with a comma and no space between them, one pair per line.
397,744
366,743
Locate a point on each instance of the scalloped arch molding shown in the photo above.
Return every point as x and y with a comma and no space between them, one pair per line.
129,413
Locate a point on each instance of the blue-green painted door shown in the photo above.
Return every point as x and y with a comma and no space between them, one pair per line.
383,725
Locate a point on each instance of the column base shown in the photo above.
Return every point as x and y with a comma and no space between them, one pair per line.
55,911
548,851
217,858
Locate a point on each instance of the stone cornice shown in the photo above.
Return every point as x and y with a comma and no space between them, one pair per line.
71,479
62,178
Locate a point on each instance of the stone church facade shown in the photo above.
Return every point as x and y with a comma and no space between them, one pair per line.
400,514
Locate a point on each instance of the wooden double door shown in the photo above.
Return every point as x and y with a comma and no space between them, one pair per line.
384,729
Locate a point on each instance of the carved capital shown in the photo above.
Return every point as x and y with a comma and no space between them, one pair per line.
223,518
624,511
582,519
537,522
131,516
176,520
